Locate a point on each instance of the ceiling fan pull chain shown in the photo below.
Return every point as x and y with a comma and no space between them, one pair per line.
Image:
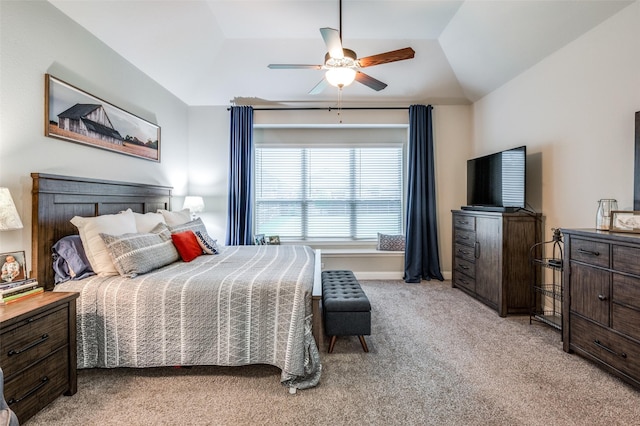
339,105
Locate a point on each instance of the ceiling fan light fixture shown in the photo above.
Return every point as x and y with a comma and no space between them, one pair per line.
340,77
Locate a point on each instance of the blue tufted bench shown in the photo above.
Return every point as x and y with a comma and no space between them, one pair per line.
346,309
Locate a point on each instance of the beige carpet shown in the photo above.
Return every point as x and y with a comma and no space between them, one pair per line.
437,357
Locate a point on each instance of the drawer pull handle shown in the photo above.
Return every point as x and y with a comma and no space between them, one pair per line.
600,345
463,251
602,297
589,252
29,346
463,237
35,389
466,268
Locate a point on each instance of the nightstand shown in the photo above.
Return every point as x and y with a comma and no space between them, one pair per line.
38,351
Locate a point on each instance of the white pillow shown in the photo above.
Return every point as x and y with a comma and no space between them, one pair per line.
146,222
90,229
176,218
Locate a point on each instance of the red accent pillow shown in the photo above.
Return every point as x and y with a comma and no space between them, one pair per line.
187,244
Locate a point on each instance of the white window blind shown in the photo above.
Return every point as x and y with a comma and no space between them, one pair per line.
349,193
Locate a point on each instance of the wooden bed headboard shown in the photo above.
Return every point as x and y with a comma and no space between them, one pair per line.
56,199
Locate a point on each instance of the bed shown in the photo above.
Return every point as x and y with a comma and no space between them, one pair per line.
244,305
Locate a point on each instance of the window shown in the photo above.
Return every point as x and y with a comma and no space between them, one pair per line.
349,193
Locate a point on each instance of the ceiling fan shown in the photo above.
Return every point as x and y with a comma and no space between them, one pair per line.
343,64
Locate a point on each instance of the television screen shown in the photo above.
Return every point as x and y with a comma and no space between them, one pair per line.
498,180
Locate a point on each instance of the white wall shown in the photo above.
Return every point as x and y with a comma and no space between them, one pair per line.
575,112
35,39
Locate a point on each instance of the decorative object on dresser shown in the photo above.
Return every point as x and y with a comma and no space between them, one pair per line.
546,285
603,214
625,221
38,355
601,319
491,257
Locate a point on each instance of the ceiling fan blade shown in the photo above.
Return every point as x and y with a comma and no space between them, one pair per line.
294,67
369,81
384,58
322,84
331,38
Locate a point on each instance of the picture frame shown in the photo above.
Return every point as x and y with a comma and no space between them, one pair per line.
259,240
13,267
274,240
74,115
625,221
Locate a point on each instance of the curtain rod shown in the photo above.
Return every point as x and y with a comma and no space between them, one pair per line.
321,108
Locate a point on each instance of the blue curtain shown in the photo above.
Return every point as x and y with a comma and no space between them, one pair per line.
421,258
239,211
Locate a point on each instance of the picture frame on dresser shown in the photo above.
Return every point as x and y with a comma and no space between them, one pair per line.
625,221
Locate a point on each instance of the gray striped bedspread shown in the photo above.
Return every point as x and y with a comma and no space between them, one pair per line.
246,305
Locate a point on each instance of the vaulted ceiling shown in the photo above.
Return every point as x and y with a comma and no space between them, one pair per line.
214,52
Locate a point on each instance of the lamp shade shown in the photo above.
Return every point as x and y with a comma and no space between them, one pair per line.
340,77
9,217
194,203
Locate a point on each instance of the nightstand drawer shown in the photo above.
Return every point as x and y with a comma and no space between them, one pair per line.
33,338
28,391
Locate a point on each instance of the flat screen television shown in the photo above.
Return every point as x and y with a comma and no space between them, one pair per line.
497,182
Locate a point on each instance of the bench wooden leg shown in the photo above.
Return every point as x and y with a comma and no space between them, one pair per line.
332,343
364,343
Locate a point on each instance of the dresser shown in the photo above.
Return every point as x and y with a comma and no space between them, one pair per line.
602,299
491,257
38,351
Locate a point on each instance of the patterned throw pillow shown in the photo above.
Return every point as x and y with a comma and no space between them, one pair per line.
390,242
135,253
208,244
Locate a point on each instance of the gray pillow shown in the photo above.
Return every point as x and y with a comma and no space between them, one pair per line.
390,242
135,253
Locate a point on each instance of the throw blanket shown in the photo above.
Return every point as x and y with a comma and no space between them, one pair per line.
246,305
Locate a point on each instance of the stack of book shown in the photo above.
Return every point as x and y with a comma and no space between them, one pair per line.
18,290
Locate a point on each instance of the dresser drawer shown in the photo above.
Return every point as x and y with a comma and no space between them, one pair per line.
467,238
591,252
625,320
464,222
465,252
617,351
32,339
626,290
626,259
465,267
465,281
28,391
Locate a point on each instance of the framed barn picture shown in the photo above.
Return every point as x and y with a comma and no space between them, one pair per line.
76,116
